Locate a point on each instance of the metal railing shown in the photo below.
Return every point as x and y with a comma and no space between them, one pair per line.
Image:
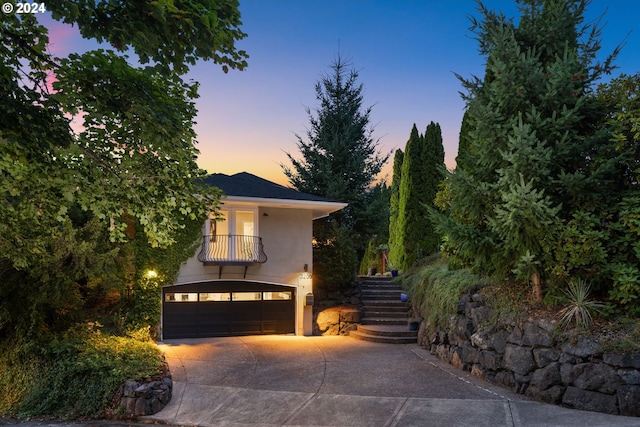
230,249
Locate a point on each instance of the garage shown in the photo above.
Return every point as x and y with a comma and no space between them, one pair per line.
227,308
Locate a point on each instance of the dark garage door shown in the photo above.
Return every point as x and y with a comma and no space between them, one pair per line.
227,308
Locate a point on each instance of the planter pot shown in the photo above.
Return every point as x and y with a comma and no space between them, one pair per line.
394,273
404,297
372,272
413,326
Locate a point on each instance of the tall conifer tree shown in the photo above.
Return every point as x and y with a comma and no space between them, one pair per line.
527,170
395,252
421,173
340,160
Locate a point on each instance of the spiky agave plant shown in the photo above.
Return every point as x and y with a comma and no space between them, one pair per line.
578,306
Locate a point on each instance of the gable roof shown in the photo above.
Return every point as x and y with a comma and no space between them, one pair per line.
247,188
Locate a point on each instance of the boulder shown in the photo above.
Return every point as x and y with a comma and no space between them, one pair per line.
583,348
545,356
596,377
629,400
546,377
518,359
622,360
590,400
537,334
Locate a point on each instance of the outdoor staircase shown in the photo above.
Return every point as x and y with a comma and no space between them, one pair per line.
385,315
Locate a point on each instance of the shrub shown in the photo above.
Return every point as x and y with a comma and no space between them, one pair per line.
436,290
75,376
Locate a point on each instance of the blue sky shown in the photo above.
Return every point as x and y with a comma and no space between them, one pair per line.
406,53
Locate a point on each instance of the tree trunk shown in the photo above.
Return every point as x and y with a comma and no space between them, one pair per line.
537,286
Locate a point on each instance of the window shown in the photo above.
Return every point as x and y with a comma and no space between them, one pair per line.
215,296
247,296
277,296
181,297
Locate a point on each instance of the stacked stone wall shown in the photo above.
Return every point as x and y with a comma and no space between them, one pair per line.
146,398
529,358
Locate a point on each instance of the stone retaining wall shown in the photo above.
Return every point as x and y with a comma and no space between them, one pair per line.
146,398
528,358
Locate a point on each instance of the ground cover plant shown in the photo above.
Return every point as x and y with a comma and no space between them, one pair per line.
75,376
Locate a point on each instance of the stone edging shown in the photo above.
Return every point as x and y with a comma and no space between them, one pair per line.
146,398
527,358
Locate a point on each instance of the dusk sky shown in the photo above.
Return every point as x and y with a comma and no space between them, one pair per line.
406,53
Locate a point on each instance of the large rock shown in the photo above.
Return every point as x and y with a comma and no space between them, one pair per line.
537,334
596,377
498,340
583,348
629,376
518,359
622,360
629,400
546,384
328,321
490,360
590,400
545,356
546,377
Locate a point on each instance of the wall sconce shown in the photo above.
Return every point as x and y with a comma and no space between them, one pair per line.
265,214
306,268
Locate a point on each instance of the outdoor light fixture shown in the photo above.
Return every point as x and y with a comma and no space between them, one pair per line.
151,274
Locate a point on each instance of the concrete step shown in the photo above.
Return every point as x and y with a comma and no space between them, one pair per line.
380,296
383,301
398,309
374,279
397,314
390,339
387,330
383,321
389,287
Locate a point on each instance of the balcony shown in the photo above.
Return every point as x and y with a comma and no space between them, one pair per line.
232,250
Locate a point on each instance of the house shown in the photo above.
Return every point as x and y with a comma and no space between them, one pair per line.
252,272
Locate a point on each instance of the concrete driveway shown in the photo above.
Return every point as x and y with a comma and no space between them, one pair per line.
339,381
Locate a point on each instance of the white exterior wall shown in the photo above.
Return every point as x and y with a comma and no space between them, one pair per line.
286,236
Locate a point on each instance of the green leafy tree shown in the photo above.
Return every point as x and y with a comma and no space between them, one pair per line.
533,135
70,197
340,160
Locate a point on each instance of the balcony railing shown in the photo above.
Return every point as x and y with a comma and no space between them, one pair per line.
232,249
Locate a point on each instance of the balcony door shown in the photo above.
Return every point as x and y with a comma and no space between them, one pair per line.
232,235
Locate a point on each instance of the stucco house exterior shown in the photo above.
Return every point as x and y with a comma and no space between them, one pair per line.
252,271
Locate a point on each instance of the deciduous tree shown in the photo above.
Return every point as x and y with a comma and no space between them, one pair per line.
67,197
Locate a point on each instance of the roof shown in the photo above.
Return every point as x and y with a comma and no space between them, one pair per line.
247,188
248,185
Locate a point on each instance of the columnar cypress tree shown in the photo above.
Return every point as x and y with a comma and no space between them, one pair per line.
434,173
421,173
395,251
528,168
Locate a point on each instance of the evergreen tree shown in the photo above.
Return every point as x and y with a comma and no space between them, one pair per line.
463,141
340,159
422,171
532,134
395,249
